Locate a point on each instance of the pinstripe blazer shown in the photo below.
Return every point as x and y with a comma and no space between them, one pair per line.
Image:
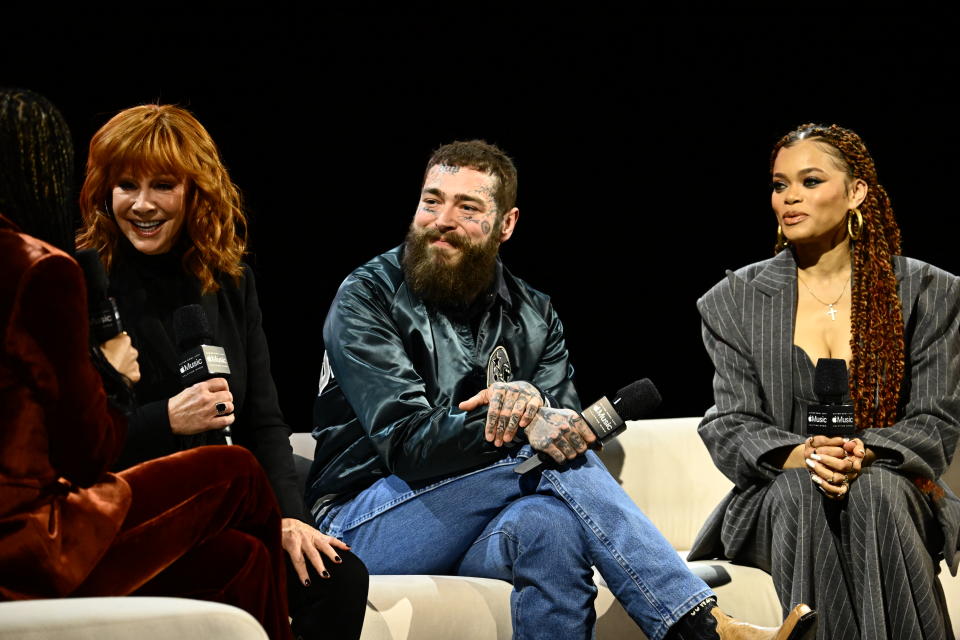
748,321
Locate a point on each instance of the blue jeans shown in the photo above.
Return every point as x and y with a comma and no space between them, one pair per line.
543,532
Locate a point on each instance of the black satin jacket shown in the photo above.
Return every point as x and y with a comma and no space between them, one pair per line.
401,367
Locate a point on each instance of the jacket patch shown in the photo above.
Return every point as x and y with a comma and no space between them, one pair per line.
498,367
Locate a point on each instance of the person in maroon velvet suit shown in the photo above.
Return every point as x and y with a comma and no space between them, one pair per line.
203,523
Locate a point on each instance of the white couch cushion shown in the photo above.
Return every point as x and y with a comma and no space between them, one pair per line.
125,618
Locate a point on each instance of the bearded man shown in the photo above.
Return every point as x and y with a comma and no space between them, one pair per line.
445,372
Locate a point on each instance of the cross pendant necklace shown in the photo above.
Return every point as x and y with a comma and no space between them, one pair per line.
830,310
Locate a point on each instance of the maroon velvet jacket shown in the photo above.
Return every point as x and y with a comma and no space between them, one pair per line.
59,509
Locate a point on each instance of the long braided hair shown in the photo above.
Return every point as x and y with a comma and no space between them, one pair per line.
877,342
36,167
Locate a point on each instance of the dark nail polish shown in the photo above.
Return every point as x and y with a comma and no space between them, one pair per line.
306,582
337,559
325,573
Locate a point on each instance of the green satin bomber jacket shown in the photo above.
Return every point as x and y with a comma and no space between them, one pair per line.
401,367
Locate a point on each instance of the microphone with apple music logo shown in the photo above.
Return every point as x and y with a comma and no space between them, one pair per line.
830,416
200,357
608,419
104,315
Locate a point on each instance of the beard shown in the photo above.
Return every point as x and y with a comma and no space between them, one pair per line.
445,280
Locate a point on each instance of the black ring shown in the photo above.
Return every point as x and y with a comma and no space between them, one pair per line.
221,408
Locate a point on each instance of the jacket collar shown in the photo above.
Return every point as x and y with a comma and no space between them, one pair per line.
500,285
778,274
777,308
781,272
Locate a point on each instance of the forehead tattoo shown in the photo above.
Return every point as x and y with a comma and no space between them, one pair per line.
446,168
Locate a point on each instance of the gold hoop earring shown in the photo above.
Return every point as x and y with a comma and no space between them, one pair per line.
782,242
850,215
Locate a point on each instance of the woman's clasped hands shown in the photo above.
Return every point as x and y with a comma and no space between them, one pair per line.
834,463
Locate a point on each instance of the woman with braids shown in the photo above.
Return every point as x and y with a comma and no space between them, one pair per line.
201,524
853,526
162,212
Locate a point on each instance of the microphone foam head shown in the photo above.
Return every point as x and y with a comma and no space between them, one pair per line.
93,273
190,327
637,399
830,380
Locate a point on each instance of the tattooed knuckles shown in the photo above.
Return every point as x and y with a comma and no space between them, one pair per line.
512,406
560,433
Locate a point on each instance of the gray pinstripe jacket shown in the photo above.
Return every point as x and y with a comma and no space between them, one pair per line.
748,331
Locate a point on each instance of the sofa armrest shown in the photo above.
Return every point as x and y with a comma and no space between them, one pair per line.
123,618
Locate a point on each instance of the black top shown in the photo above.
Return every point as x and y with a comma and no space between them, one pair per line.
148,290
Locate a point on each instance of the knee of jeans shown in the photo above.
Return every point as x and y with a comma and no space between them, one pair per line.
540,519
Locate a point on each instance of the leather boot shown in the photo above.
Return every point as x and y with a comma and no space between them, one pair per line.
800,624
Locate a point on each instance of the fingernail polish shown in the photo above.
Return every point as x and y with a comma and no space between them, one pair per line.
817,479
306,582
325,573
811,463
337,559
815,456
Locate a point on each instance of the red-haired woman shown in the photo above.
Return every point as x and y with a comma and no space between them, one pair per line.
67,526
161,210
853,526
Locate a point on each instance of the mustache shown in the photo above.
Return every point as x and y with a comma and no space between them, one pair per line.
431,234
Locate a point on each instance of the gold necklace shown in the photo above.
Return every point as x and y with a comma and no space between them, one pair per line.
830,310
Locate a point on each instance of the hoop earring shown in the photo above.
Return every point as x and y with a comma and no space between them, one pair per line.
782,242
850,215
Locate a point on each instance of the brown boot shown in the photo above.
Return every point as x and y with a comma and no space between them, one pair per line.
800,624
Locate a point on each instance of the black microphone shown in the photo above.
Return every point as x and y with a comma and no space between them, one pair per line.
104,316
200,357
830,417
608,419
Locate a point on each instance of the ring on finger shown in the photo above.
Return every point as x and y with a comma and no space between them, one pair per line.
221,408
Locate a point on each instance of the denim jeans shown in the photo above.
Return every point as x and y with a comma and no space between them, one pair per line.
543,532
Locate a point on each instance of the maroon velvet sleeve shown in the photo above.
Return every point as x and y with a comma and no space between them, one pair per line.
51,313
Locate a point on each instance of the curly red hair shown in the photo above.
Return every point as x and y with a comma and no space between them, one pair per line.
877,332
165,139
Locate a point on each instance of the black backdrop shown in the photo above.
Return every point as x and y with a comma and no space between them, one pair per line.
642,145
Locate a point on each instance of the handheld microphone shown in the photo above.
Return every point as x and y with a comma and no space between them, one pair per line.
830,417
200,358
104,315
608,419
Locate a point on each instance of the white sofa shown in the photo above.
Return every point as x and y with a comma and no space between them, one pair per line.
664,467
125,618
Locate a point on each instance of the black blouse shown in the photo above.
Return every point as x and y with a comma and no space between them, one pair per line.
148,290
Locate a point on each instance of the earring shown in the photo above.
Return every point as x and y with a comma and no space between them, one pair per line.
850,216
782,242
